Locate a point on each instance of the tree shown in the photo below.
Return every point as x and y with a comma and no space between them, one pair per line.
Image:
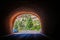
15,26
29,23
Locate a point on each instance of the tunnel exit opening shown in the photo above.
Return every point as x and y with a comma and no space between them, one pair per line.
27,23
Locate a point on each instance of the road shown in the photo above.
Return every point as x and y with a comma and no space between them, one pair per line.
28,32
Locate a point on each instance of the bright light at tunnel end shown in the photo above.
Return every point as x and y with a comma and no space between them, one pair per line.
13,17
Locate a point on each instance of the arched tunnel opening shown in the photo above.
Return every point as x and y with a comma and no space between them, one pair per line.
25,14
27,22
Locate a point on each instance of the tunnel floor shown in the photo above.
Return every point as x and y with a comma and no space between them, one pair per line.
25,37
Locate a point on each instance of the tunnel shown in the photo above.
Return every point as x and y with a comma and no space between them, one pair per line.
10,10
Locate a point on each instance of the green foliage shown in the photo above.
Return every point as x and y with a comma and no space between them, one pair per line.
16,25
27,23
